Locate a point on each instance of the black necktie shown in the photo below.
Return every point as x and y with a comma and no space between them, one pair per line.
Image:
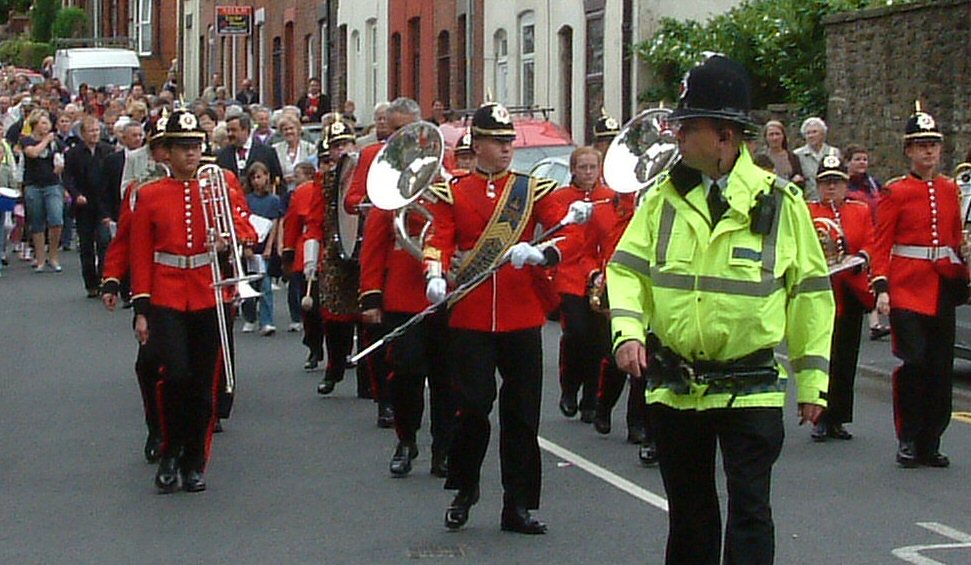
716,204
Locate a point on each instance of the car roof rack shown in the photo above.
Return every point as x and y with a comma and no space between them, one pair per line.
66,42
465,114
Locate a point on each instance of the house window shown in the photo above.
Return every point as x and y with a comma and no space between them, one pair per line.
371,47
309,54
142,24
396,65
444,68
414,47
527,57
324,57
501,46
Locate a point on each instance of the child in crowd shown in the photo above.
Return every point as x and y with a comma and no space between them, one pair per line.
262,203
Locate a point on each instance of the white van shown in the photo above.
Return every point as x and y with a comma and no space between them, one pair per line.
96,66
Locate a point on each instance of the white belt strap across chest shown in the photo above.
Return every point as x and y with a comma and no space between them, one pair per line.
927,253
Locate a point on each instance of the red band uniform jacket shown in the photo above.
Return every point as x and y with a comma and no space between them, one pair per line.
391,278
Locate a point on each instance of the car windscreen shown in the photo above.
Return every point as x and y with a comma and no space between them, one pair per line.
525,157
118,76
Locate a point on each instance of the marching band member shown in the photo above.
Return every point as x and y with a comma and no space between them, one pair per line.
296,227
851,288
171,265
920,277
392,285
498,325
605,129
116,267
464,156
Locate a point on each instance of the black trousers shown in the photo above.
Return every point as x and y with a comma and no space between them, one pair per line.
376,366
843,356
147,374
611,385
339,337
922,384
313,323
579,358
750,440
93,239
474,358
419,354
188,346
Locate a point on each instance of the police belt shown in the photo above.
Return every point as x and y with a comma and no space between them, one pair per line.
927,253
182,261
745,374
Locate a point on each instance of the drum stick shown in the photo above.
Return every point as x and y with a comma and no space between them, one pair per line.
307,303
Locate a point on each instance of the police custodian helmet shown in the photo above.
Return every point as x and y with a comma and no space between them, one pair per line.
921,126
718,88
493,120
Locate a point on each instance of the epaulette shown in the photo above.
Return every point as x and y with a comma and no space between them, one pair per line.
138,184
885,189
855,203
543,188
459,173
790,189
442,191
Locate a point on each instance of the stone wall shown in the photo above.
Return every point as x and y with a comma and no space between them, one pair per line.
880,61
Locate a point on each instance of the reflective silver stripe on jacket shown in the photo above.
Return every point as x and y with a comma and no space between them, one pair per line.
182,261
637,264
763,288
926,253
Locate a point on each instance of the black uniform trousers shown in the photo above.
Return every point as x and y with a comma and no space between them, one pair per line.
339,338
611,385
376,365
922,384
750,440
93,239
474,357
188,348
843,356
147,374
419,353
579,359
313,324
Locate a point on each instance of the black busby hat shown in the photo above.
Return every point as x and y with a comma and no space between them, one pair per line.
323,144
832,167
718,88
208,155
339,131
464,144
182,127
606,127
155,131
921,126
493,120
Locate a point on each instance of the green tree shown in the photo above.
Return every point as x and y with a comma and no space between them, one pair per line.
781,42
42,19
70,22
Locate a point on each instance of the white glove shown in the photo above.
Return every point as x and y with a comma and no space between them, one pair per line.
580,212
436,289
525,254
311,252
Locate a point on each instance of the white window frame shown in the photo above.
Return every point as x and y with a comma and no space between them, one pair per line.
142,26
527,59
324,57
311,51
501,48
371,54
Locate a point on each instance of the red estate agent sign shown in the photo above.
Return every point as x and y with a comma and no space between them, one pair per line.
234,20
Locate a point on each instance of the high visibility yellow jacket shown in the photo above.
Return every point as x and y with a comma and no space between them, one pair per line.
724,294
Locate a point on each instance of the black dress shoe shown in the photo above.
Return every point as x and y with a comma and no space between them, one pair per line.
647,453
601,423
518,519
877,332
167,476
588,416
439,465
568,405
385,416
401,460
153,448
636,435
193,481
819,433
457,513
312,362
907,455
936,459
217,428
326,386
837,431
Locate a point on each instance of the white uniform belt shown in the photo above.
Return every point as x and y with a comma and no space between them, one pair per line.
182,261
926,253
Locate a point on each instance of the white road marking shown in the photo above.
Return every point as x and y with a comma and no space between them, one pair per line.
911,554
603,474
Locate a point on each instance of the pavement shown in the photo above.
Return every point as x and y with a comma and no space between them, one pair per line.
299,478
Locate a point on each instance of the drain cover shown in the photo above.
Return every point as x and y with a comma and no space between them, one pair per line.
435,551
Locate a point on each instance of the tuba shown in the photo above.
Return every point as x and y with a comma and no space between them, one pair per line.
644,148
409,162
218,217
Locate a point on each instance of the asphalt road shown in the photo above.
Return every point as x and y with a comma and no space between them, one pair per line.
297,478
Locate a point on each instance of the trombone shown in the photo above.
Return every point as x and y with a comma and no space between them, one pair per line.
218,216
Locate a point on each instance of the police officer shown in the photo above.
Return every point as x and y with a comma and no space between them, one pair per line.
919,277
721,263
483,216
